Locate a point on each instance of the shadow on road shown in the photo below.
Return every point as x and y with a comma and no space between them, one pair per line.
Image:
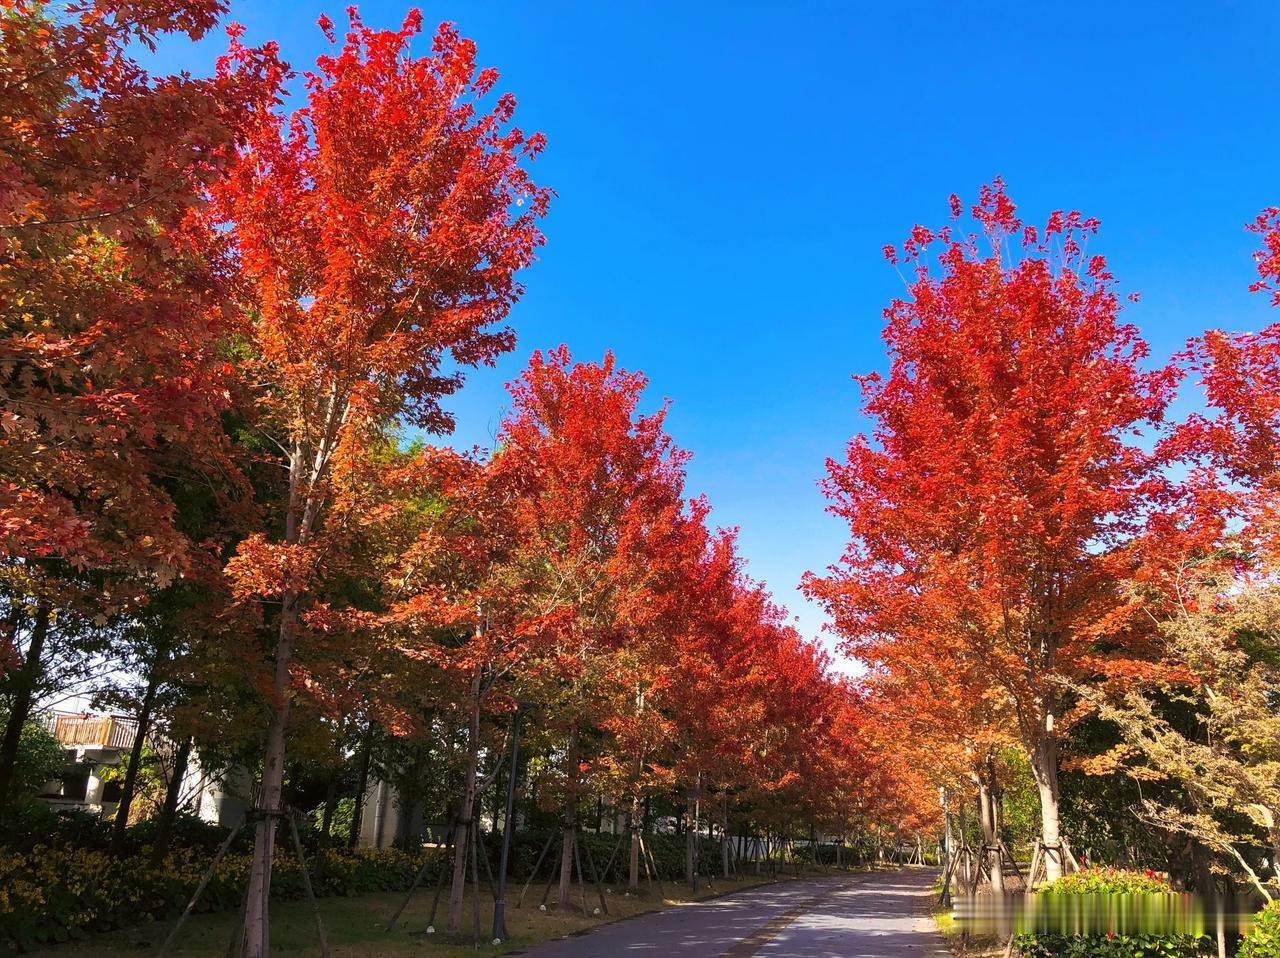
879,915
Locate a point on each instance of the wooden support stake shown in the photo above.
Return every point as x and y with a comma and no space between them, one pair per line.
945,897
644,859
1070,859
483,854
306,883
595,878
536,865
435,899
417,880
554,873
582,878
616,848
236,944
657,879
1008,856
980,866
1033,873
204,881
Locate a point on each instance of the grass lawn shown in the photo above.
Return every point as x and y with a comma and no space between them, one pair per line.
355,925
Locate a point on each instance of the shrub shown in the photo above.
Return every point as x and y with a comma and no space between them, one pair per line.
1263,940
40,757
35,823
1136,891
25,825
58,883
343,814
189,831
55,894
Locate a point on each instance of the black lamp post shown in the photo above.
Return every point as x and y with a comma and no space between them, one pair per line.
499,901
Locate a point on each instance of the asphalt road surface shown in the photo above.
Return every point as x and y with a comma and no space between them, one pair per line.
878,915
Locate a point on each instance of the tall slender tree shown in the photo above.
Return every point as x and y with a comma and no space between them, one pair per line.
601,487
378,231
459,607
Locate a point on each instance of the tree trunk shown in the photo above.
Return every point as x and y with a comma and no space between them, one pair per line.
725,865
169,811
23,695
256,932
362,786
1043,748
308,466
689,839
118,828
636,819
948,835
462,827
9,642
988,792
997,806
570,818
1044,768
330,806
1275,851
500,797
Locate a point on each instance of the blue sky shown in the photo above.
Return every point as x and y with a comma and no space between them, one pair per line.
729,171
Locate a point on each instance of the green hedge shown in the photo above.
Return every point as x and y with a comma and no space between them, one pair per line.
55,894
26,826
68,887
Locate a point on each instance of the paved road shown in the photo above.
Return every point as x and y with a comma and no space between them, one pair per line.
881,915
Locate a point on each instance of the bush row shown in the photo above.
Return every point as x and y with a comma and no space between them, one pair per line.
25,827
55,894
57,882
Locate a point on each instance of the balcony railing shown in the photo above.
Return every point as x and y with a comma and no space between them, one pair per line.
104,731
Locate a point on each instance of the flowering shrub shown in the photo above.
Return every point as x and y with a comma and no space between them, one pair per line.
1263,940
53,894
1115,894
1109,881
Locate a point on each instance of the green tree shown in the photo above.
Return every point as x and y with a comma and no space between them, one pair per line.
1223,646
40,757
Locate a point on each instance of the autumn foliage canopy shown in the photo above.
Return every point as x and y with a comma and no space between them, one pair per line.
233,310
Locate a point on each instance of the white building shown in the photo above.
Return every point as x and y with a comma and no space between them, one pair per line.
95,743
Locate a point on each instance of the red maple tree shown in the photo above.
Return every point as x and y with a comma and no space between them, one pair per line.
600,510
114,301
378,230
1006,473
